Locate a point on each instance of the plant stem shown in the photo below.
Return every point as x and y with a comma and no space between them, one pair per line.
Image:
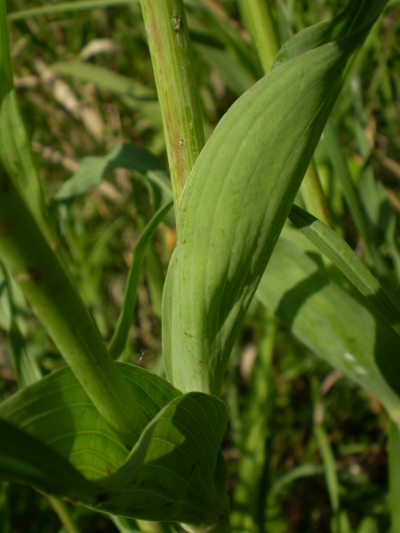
261,24
35,268
172,59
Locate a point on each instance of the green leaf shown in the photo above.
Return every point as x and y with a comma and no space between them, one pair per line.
122,155
237,199
62,445
330,322
340,253
121,333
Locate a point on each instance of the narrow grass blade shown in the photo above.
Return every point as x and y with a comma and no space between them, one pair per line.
120,336
338,159
25,366
65,7
256,423
330,322
15,149
394,475
340,253
253,163
328,460
172,474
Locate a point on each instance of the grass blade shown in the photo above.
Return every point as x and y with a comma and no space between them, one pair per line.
121,333
65,7
340,253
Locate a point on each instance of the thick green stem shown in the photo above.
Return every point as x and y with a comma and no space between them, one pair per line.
261,24
172,59
35,268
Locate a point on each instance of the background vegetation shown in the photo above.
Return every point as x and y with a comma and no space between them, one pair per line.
85,83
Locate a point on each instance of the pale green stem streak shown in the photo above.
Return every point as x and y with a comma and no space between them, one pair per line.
261,24
64,515
172,59
34,266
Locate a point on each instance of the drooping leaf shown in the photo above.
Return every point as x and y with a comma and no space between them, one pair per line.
329,321
172,474
238,196
122,155
340,253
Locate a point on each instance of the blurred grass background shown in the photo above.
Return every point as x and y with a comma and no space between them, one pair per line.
85,82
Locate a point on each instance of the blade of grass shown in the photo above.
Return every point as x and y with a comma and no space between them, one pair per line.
121,333
246,505
335,152
340,253
63,513
394,475
25,367
64,7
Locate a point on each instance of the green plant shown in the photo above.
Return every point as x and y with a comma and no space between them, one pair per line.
124,441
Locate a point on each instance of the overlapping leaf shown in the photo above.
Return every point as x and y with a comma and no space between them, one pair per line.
54,438
329,321
239,194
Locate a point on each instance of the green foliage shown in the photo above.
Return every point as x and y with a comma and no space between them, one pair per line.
123,440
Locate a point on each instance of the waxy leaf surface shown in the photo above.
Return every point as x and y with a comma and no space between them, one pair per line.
170,474
329,321
238,196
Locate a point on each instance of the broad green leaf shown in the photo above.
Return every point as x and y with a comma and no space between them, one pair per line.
340,253
238,196
121,333
92,170
329,321
173,473
15,149
64,7
132,93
